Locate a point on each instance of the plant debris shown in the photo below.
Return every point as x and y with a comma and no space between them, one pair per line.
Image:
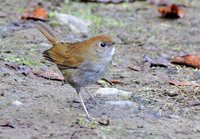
7,125
49,75
135,68
173,11
183,83
38,13
23,69
162,61
187,60
117,82
104,82
27,71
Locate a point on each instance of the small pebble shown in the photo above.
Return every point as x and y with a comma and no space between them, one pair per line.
17,103
125,103
112,92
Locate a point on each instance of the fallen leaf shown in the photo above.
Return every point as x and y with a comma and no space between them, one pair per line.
104,82
117,82
162,61
38,13
23,69
49,75
135,68
187,60
173,11
183,83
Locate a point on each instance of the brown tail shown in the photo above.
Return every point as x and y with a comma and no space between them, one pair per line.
46,31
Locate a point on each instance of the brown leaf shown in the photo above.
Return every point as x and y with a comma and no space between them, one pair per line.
39,13
49,75
161,61
187,60
104,82
117,82
135,68
23,69
172,11
183,83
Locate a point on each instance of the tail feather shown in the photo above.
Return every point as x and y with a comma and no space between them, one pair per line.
47,56
46,31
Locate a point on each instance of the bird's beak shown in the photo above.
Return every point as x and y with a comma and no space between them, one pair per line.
110,43
118,43
113,43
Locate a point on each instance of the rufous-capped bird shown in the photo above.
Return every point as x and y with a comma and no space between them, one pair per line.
81,63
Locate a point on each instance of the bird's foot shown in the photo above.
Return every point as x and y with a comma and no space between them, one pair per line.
104,120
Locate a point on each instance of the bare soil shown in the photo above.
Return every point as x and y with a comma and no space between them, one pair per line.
53,110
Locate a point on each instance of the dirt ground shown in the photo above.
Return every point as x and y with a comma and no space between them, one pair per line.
53,110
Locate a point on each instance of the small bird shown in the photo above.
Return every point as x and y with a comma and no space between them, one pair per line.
81,63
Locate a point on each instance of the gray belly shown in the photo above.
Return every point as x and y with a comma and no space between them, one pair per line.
88,77
85,75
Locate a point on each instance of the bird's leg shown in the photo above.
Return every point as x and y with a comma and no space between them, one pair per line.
104,121
93,98
84,107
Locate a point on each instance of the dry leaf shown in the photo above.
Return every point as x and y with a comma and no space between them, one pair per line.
187,60
117,82
172,11
135,68
183,83
161,61
104,82
23,69
39,13
49,75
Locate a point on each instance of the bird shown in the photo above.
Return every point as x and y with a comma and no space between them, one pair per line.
81,63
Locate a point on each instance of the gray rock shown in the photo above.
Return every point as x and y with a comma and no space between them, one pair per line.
113,92
76,24
121,103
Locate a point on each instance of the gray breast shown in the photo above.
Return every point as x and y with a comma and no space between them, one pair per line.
90,72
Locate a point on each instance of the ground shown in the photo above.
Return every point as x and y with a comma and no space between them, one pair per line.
53,110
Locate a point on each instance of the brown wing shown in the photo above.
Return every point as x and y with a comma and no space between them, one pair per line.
64,55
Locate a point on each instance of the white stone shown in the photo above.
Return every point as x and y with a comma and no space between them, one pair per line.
17,103
124,103
113,92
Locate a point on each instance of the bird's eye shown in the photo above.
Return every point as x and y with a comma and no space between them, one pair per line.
103,44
